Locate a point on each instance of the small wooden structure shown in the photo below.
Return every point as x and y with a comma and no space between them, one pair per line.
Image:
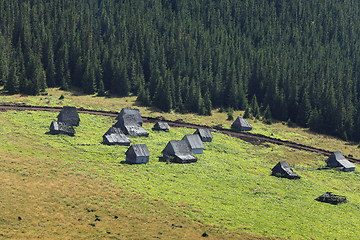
114,136
137,153
133,114
194,142
337,160
205,134
130,122
61,128
69,115
331,198
241,124
161,126
178,152
282,169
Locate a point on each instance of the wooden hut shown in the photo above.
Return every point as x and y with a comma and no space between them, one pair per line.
137,153
337,160
282,169
205,134
194,142
161,126
241,124
69,115
178,152
61,128
114,136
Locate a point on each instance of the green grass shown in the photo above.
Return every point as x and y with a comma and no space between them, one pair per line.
277,130
229,187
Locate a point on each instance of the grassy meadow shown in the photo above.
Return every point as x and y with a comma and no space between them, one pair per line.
62,187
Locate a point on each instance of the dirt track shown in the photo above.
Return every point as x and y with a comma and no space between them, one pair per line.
249,137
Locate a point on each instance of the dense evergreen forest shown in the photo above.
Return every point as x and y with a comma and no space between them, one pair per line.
296,59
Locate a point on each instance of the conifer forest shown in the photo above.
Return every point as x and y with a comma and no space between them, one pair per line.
295,60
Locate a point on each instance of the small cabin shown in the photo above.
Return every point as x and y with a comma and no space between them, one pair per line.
114,136
194,142
61,128
161,126
178,152
282,169
130,122
69,115
241,124
331,198
137,153
337,160
205,134
132,115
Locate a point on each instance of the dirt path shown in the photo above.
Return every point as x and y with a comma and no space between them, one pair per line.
249,137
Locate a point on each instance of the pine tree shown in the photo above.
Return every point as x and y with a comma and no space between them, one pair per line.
255,109
304,112
12,83
247,113
267,115
207,103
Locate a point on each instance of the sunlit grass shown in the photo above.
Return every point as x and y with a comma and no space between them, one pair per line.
277,130
230,185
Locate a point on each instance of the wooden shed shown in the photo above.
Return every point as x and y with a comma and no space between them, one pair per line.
161,126
241,124
137,153
178,152
282,169
114,136
61,128
337,160
69,115
194,142
205,134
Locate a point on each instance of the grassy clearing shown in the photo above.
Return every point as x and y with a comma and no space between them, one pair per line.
230,187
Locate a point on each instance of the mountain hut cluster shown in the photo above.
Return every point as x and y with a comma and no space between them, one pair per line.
129,124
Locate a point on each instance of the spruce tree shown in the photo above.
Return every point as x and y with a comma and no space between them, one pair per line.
12,83
247,113
255,109
267,115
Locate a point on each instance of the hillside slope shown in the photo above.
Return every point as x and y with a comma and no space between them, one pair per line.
228,193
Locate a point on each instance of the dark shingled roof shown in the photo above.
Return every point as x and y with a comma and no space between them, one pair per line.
179,151
130,122
133,116
205,134
60,127
161,126
69,115
282,169
193,141
241,124
139,150
114,130
331,198
337,160
136,131
114,136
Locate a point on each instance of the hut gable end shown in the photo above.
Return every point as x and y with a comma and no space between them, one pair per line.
194,142
337,160
137,153
241,124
